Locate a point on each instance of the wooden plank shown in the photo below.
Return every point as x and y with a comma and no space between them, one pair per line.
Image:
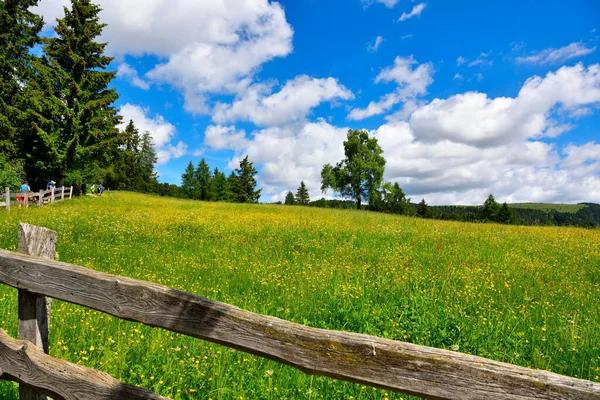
70,192
52,196
62,193
23,362
7,193
404,367
34,310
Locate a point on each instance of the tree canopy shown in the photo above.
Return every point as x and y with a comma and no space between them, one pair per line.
360,173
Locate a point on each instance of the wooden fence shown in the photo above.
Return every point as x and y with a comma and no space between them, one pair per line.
35,198
416,370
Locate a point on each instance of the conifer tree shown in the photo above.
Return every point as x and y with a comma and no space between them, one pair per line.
220,186
302,194
189,183
244,184
19,29
289,199
73,72
423,210
204,178
490,209
505,214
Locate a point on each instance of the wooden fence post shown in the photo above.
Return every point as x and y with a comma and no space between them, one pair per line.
41,198
62,193
26,199
71,193
7,191
52,198
34,310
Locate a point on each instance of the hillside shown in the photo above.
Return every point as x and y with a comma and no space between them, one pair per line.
549,207
518,294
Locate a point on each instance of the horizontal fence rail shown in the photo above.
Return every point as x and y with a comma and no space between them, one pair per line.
416,370
22,362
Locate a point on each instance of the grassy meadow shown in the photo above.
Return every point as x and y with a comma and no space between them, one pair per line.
524,295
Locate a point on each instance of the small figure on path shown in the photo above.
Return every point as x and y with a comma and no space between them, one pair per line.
50,185
24,189
93,188
100,189
84,188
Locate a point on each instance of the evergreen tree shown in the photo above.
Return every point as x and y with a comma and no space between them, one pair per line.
490,209
302,194
220,187
146,161
423,210
204,180
19,29
289,199
505,214
189,183
73,73
244,185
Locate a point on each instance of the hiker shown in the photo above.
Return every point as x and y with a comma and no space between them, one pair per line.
50,185
75,188
84,188
24,189
100,189
93,188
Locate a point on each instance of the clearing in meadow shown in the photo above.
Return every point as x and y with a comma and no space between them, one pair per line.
523,295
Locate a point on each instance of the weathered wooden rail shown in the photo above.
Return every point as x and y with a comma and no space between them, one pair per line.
35,198
417,370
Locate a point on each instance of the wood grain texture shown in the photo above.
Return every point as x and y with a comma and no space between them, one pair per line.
34,310
418,370
23,362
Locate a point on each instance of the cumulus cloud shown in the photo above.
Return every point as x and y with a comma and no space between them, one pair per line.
287,155
412,82
460,61
125,71
208,46
259,105
161,130
478,120
451,151
556,56
415,12
373,47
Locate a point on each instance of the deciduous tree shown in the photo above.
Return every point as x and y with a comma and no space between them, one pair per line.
360,173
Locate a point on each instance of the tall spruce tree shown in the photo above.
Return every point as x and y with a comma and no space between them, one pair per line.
220,186
244,184
302,194
490,209
290,200
189,182
19,30
423,210
204,179
74,74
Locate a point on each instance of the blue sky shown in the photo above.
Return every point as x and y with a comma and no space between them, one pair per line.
466,98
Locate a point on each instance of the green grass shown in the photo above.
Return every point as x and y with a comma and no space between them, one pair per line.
564,208
523,295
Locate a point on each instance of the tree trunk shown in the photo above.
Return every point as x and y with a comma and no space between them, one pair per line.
358,202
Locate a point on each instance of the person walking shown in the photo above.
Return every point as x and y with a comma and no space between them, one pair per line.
84,188
24,190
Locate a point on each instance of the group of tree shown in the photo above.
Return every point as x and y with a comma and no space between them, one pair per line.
199,183
58,119
301,198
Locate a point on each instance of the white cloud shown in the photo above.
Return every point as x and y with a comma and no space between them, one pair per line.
125,71
451,151
556,56
482,60
404,37
477,120
161,130
415,12
291,103
208,46
412,82
219,137
387,3
373,47
460,61
458,77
